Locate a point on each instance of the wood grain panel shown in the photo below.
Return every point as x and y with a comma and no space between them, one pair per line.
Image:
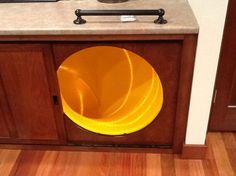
24,78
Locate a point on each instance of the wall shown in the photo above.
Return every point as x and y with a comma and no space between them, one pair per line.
211,17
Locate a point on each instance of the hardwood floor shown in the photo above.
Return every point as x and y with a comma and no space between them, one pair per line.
220,161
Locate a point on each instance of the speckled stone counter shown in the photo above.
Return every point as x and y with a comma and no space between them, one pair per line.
56,18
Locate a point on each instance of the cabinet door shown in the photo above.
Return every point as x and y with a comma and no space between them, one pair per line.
25,81
167,64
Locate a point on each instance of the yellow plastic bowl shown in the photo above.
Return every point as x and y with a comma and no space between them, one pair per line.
109,90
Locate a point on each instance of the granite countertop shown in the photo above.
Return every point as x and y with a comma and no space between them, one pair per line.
56,18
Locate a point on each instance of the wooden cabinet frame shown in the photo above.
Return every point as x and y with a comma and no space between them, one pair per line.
189,42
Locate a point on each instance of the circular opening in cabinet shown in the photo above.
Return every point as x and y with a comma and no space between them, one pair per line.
109,90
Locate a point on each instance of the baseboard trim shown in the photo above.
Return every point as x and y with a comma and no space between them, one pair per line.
194,151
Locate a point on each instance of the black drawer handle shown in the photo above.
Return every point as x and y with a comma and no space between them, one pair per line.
79,13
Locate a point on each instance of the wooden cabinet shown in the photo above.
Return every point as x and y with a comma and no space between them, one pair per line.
31,110
27,112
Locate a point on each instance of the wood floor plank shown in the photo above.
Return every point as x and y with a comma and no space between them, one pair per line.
65,163
99,162
209,164
230,145
128,164
220,155
125,165
29,161
196,168
47,163
138,164
181,166
210,168
7,161
167,165
81,163
119,164
232,158
73,165
229,140
153,164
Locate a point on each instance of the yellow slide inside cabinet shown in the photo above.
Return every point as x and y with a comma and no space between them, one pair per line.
109,90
